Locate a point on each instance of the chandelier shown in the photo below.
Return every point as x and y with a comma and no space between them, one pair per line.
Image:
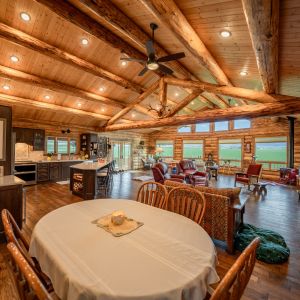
161,110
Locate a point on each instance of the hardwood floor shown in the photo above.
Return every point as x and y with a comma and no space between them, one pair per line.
278,211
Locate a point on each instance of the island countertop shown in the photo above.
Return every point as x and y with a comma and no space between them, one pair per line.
90,166
10,180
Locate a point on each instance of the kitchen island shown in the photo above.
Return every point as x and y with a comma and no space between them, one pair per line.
83,179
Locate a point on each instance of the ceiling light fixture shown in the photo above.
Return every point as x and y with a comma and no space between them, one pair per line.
152,65
176,94
192,102
14,58
6,87
225,33
47,97
124,63
133,115
79,104
243,73
102,109
101,89
25,16
84,41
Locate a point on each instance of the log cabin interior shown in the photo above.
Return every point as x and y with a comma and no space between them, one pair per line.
150,149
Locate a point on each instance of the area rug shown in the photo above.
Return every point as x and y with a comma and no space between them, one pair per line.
272,248
143,178
63,182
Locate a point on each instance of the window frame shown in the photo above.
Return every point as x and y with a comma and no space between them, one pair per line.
243,128
209,127
228,126
171,142
268,139
187,126
234,141
187,141
56,138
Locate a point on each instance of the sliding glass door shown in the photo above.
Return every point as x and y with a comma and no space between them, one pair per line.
121,153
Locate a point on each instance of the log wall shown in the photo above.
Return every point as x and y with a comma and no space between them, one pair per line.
260,127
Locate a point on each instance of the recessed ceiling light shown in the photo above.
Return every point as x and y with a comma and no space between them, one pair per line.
47,97
176,94
192,102
102,109
133,115
101,89
14,58
6,87
124,63
25,16
79,104
225,33
243,73
84,41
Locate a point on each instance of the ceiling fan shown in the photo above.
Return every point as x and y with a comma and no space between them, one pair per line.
153,63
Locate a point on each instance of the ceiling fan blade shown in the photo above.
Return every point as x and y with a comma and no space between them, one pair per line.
171,57
165,69
143,71
132,59
150,48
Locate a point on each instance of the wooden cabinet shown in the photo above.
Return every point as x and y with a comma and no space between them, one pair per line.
43,172
55,171
39,140
34,137
93,146
11,198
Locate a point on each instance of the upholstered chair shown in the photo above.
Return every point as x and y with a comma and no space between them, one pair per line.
160,173
251,176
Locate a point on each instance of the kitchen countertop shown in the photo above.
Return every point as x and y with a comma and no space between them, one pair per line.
90,166
10,180
47,161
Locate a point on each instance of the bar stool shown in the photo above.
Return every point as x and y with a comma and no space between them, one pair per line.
104,179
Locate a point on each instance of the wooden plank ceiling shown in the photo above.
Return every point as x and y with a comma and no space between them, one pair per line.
57,69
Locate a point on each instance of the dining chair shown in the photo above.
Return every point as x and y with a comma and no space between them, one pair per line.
14,235
236,279
152,193
187,202
33,288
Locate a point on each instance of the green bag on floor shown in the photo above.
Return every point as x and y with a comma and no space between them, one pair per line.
272,248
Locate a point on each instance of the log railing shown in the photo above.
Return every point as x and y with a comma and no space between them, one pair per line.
272,165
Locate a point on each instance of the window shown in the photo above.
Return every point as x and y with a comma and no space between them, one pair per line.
230,152
202,127
184,129
50,145
271,152
241,124
73,146
220,126
60,145
166,148
192,149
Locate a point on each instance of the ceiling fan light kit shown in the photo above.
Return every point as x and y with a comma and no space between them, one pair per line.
152,63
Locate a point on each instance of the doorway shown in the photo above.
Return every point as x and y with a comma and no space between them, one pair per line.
121,153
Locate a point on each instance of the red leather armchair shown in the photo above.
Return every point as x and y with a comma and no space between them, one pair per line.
250,177
189,170
160,173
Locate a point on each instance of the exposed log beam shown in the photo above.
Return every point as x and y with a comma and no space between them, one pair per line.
71,14
168,12
145,111
163,92
189,98
4,98
56,86
207,101
246,111
257,96
108,13
262,17
136,101
21,38
32,123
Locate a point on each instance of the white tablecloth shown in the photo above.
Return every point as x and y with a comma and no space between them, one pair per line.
169,256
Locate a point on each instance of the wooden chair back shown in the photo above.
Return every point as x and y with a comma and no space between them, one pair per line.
152,193
187,202
32,285
236,279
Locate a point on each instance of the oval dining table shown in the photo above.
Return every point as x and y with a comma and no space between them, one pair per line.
169,257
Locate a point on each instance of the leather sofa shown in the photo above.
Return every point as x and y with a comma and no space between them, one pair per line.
160,173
